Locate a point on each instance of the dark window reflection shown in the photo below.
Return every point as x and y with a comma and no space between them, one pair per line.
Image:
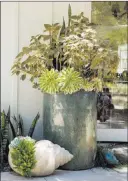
119,115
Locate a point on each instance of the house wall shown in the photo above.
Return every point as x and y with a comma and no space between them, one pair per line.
20,21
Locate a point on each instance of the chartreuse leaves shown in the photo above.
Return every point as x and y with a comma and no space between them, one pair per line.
94,84
23,156
48,81
70,81
67,81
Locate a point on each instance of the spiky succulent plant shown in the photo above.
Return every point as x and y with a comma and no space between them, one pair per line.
23,155
70,81
48,81
66,81
16,141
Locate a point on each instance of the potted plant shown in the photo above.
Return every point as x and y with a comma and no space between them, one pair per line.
66,63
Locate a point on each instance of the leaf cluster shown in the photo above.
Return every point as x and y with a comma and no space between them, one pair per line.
66,81
23,157
74,45
103,13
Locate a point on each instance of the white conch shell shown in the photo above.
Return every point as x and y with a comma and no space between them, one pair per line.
62,156
49,157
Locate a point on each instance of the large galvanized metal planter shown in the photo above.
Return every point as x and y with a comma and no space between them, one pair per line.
70,121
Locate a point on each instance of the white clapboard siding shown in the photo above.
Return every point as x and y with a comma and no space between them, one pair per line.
9,49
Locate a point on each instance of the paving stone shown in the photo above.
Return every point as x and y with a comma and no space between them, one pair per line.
100,170
87,175
95,174
12,176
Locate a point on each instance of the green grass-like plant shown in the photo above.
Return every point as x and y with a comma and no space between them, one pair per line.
23,156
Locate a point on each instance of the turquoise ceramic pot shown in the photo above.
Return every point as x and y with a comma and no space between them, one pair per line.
70,121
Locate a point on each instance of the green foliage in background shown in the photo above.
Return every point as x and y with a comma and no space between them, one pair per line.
23,156
109,27
117,88
114,36
103,13
117,36
61,48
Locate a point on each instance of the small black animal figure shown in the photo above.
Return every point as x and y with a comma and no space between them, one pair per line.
104,105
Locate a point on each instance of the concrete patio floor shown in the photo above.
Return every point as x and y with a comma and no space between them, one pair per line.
95,174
